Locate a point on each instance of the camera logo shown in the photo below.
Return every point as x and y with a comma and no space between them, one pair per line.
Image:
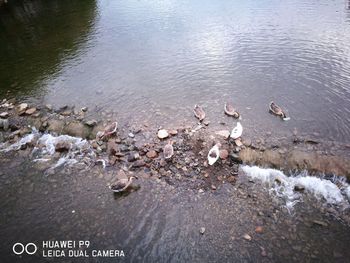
29,248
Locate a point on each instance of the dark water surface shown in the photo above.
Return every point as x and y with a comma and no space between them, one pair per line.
160,222
153,60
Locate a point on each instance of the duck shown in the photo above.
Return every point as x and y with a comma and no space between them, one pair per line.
109,130
214,154
230,110
122,184
199,112
277,110
168,150
237,131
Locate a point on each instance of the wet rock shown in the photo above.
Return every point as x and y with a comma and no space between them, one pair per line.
4,115
223,133
91,123
77,129
202,230
173,132
151,154
238,142
49,107
30,111
259,229
162,134
132,157
138,164
55,125
247,237
247,142
22,108
263,252
299,188
319,223
62,146
223,154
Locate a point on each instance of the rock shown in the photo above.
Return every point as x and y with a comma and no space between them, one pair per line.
91,123
320,223
223,154
133,157
77,129
30,111
201,191
151,154
84,109
263,252
66,113
299,188
206,122
162,134
22,108
238,142
247,237
131,135
247,142
55,125
202,230
48,107
173,132
223,133
138,164
213,187
259,229
62,146
4,115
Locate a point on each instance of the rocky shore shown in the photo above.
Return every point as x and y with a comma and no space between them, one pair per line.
138,147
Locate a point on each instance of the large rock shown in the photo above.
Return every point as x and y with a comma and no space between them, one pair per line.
77,129
223,133
55,126
162,134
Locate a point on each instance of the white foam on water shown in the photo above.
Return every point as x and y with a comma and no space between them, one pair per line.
44,149
17,145
335,191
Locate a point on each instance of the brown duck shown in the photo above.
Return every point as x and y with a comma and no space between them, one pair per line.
230,110
199,112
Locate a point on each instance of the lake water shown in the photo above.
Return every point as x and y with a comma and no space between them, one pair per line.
153,60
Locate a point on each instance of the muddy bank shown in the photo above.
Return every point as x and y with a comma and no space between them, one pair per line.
138,147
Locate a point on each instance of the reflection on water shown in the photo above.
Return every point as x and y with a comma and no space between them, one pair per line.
162,57
37,37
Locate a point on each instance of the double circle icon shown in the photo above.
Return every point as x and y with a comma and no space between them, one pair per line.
29,248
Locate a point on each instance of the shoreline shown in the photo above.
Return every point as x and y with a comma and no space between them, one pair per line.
139,146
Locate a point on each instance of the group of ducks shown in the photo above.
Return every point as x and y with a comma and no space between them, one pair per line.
214,153
236,133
